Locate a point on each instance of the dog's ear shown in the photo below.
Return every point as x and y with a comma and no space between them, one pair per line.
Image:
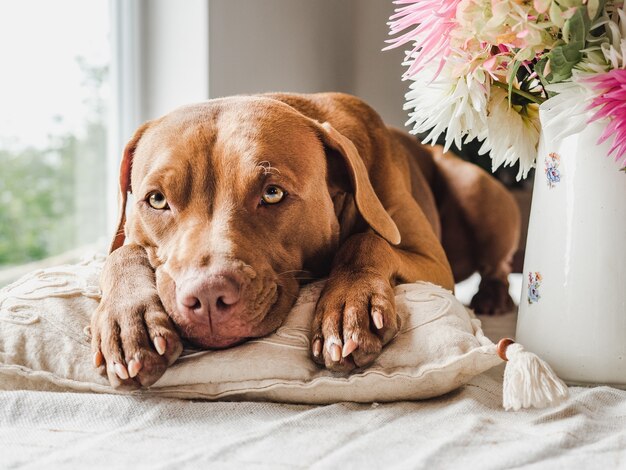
125,186
368,204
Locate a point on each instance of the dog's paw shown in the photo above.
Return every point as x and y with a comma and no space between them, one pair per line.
133,343
354,318
492,298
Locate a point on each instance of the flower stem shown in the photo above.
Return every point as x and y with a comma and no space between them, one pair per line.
524,94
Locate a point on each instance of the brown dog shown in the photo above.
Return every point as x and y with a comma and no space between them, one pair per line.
239,199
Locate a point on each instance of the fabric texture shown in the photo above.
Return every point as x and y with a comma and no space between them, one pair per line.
440,346
466,428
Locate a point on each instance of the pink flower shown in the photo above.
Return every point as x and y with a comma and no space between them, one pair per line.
611,103
431,22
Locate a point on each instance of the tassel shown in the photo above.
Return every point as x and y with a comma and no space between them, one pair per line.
528,380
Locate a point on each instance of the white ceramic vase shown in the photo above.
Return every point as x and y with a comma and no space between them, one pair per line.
573,305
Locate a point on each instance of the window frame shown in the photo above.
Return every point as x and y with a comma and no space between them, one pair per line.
125,109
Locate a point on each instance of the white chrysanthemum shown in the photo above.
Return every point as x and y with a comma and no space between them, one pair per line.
512,133
614,49
454,106
567,113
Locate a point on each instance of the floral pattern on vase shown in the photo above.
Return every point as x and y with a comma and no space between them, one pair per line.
534,282
553,174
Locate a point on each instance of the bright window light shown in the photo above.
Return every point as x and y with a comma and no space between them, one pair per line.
54,102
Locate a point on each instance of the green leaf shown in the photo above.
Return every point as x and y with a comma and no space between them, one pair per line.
565,32
556,15
593,6
565,56
577,27
545,79
567,4
511,78
562,60
540,67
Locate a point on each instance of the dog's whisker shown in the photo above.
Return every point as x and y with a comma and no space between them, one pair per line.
285,292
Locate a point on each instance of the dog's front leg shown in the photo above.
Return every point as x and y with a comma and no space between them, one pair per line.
133,339
356,315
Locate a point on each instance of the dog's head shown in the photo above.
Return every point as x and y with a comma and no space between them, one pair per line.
232,199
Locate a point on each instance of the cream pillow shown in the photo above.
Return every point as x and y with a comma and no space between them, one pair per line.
43,346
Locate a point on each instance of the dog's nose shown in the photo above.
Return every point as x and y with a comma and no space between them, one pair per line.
209,295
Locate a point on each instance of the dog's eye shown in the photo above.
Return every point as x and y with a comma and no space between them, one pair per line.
157,200
273,195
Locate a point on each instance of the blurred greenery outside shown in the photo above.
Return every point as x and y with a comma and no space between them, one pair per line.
52,199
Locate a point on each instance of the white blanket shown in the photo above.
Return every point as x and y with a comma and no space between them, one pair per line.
464,429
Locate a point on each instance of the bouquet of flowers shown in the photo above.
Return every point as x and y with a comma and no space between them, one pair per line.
480,69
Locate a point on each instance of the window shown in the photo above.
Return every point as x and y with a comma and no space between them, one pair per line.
77,79
55,98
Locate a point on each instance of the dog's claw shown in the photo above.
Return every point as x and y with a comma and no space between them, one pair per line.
317,347
134,367
121,371
335,352
378,319
160,345
349,348
98,359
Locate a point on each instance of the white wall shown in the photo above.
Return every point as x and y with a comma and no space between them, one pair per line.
306,46
194,49
174,53
277,45
376,75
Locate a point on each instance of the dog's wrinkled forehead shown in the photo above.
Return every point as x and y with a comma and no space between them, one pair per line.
229,137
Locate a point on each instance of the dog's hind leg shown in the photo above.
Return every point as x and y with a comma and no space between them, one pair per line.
480,223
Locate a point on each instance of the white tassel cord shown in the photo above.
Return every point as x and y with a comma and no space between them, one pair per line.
528,380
